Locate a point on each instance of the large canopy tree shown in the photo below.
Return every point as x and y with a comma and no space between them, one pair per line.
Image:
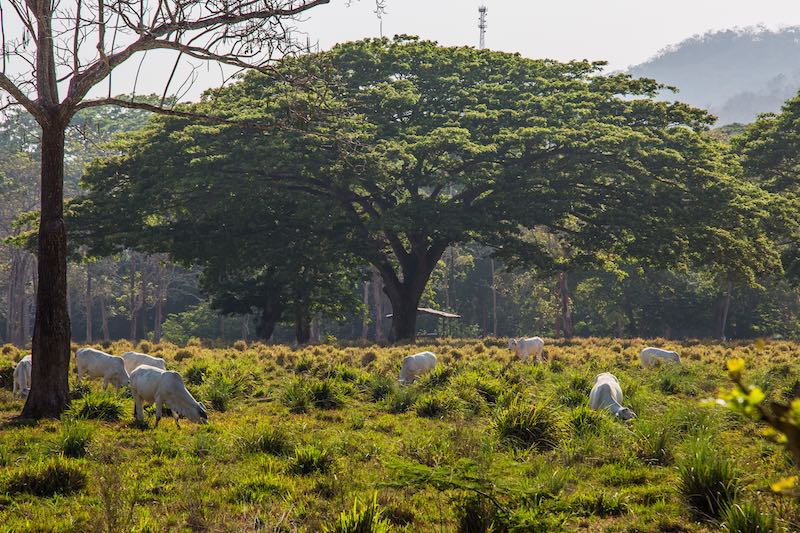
53,55
424,146
261,250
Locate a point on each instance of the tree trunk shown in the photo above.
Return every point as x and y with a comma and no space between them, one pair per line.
88,303
132,312
722,324
49,394
270,316
377,298
365,315
104,319
302,326
316,329
566,313
142,305
17,299
494,303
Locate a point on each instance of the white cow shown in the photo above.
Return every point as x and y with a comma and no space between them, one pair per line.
134,359
97,364
651,356
525,347
22,377
416,365
155,385
607,394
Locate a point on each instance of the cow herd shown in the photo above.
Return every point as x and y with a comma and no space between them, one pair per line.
151,383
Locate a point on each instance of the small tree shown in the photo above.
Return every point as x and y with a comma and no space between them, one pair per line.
52,60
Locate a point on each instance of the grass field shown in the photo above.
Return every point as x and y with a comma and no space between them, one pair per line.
312,438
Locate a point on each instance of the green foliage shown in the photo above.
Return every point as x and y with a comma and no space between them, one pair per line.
401,400
601,505
297,396
97,406
523,424
326,394
435,405
475,514
654,441
707,480
746,518
380,386
310,459
586,421
46,478
366,518
221,388
264,439
74,439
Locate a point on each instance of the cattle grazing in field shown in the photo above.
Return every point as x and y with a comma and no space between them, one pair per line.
525,347
652,356
607,394
134,359
22,377
97,364
416,365
164,387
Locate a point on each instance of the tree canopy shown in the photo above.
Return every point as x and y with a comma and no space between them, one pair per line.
419,147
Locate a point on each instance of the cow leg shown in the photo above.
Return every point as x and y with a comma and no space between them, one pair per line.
158,410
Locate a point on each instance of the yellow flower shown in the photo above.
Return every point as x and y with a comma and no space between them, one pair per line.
784,485
735,366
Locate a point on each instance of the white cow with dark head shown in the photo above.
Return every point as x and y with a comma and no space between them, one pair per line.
525,347
22,377
97,364
607,394
163,387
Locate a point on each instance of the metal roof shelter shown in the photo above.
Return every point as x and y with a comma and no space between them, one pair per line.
444,315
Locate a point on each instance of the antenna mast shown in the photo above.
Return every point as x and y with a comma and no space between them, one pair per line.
482,26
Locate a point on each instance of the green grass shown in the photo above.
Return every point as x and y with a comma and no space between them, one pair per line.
297,436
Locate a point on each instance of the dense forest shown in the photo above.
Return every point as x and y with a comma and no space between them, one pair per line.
735,74
180,230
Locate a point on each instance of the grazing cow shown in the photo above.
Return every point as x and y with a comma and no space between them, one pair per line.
525,347
22,377
164,387
134,359
607,394
97,364
416,365
651,356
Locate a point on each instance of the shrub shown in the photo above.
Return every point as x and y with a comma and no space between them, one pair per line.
74,438
196,373
302,366
6,374
257,489
380,386
401,400
707,480
362,519
182,354
264,439
309,459
326,394
97,406
369,357
528,425
240,345
297,396
145,347
47,478
746,518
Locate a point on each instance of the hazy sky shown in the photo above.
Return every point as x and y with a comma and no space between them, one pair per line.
622,32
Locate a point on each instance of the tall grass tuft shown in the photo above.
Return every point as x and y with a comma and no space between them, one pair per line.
707,480
746,518
401,400
379,386
264,439
310,459
362,519
47,478
653,443
527,425
297,396
327,394
435,405
97,406
73,441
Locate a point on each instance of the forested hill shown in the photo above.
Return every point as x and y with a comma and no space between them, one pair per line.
735,74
